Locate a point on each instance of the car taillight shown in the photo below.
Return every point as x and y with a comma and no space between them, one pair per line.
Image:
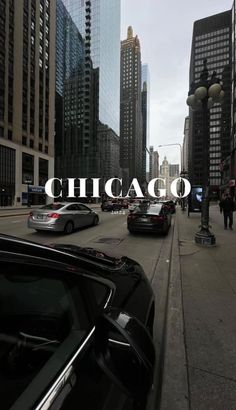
157,218
131,216
54,215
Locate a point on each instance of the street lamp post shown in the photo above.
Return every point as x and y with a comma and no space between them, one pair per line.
202,96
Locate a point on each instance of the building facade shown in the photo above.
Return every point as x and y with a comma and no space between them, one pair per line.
154,164
102,28
145,117
27,100
229,167
173,170
211,41
131,134
110,153
76,99
184,152
165,174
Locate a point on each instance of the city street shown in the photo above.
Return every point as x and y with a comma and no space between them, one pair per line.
111,235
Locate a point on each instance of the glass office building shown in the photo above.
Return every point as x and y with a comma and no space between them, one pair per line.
211,41
105,52
69,128
146,116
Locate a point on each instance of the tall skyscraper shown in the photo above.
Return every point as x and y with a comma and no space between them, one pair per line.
165,174
232,174
27,100
211,41
184,152
145,87
174,170
131,136
153,164
76,105
103,27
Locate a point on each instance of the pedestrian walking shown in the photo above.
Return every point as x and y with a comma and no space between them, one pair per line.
227,206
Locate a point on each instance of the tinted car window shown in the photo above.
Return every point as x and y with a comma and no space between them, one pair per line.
73,207
82,208
152,209
52,206
42,322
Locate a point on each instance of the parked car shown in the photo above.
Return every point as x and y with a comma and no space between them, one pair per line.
169,203
123,202
152,217
136,202
109,205
62,217
73,330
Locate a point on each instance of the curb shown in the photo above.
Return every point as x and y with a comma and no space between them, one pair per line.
160,284
175,389
12,215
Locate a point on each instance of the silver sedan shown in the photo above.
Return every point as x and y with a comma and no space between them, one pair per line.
62,217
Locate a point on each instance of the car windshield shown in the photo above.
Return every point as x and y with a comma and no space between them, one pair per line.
148,209
54,207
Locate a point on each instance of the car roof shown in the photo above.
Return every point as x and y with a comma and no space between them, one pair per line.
83,258
152,208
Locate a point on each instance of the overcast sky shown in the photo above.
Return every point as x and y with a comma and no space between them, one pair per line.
164,28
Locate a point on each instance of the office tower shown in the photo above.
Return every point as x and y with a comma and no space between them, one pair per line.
231,176
110,153
74,113
98,21
184,152
174,170
27,100
130,107
212,41
153,164
145,87
76,98
165,174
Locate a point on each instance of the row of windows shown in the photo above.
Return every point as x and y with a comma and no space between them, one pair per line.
212,46
212,66
214,155
212,59
214,123
215,116
215,142
214,168
213,33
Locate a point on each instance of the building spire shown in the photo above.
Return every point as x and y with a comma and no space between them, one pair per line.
130,32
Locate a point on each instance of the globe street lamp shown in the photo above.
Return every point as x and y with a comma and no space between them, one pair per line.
202,97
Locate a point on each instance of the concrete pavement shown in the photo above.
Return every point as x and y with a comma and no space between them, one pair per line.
199,369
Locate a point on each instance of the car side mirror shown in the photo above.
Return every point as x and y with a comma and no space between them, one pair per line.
125,352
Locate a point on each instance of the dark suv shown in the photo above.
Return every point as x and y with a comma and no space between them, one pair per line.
110,205
73,331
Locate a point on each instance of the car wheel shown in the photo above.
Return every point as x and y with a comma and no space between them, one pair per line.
95,220
37,230
69,227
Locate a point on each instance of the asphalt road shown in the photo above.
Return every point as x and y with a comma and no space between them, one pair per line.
111,235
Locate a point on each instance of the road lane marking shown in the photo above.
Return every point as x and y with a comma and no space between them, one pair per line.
16,222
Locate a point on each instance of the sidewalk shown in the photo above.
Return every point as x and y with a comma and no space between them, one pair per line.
200,348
